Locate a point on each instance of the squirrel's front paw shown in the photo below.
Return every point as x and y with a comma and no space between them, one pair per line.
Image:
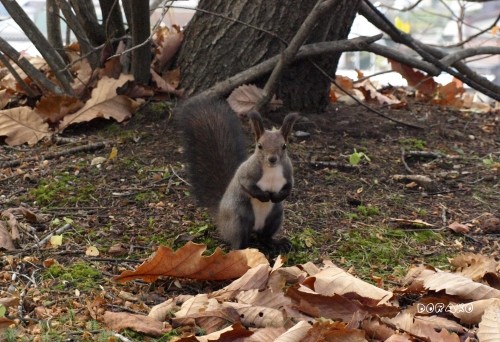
264,196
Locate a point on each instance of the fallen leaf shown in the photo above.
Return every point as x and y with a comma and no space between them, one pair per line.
188,262
474,266
104,103
415,78
457,285
489,329
22,125
334,280
458,227
56,240
119,321
54,107
295,333
92,251
244,98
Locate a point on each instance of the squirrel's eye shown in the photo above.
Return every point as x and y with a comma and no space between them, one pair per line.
259,146
284,146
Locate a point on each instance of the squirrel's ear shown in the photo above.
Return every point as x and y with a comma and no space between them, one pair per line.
288,123
257,124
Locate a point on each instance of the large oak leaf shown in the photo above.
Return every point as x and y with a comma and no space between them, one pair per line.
104,103
22,125
188,262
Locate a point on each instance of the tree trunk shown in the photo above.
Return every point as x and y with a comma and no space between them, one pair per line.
216,47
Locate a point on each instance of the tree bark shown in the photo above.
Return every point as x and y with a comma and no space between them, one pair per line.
139,27
229,36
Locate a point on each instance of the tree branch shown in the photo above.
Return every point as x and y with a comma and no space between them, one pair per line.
36,75
306,51
54,60
432,55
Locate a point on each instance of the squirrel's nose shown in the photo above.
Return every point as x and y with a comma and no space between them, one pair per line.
272,159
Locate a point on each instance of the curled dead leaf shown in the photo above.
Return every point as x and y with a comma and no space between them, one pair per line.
188,262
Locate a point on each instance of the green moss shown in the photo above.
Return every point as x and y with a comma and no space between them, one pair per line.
305,246
80,275
413,144
383,251
368,210
64,189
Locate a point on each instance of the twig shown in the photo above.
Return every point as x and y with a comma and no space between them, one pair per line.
58,231
84,148
404,161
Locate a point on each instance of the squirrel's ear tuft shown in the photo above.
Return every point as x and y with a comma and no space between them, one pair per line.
257,124
288,123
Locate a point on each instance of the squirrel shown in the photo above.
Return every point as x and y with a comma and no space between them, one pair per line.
243,194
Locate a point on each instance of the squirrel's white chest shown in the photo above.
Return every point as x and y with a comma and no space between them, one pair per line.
272,180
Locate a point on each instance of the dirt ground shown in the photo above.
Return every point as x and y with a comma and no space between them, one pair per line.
371,219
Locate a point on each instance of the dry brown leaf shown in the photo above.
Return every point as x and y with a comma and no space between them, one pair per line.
244,98
5,96
235,332
54,107
457,285
255,278
421,328
295,333
213,319
415,78
104,103
22,125
376,329
400,338
334,332
188,262
335,307
472,312
489,328
168,43
5,323
258,316
6,241
334,280
474,266
123,320
164,85
373,93
459,227
266,298
161,311
265,335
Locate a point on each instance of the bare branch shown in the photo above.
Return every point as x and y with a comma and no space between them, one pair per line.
452,58
54,60
36,75
306,51
18,78
432,55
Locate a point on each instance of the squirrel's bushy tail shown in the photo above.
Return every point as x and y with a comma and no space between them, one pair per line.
214,146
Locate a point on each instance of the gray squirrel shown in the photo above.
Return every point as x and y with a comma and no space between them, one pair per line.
243,194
